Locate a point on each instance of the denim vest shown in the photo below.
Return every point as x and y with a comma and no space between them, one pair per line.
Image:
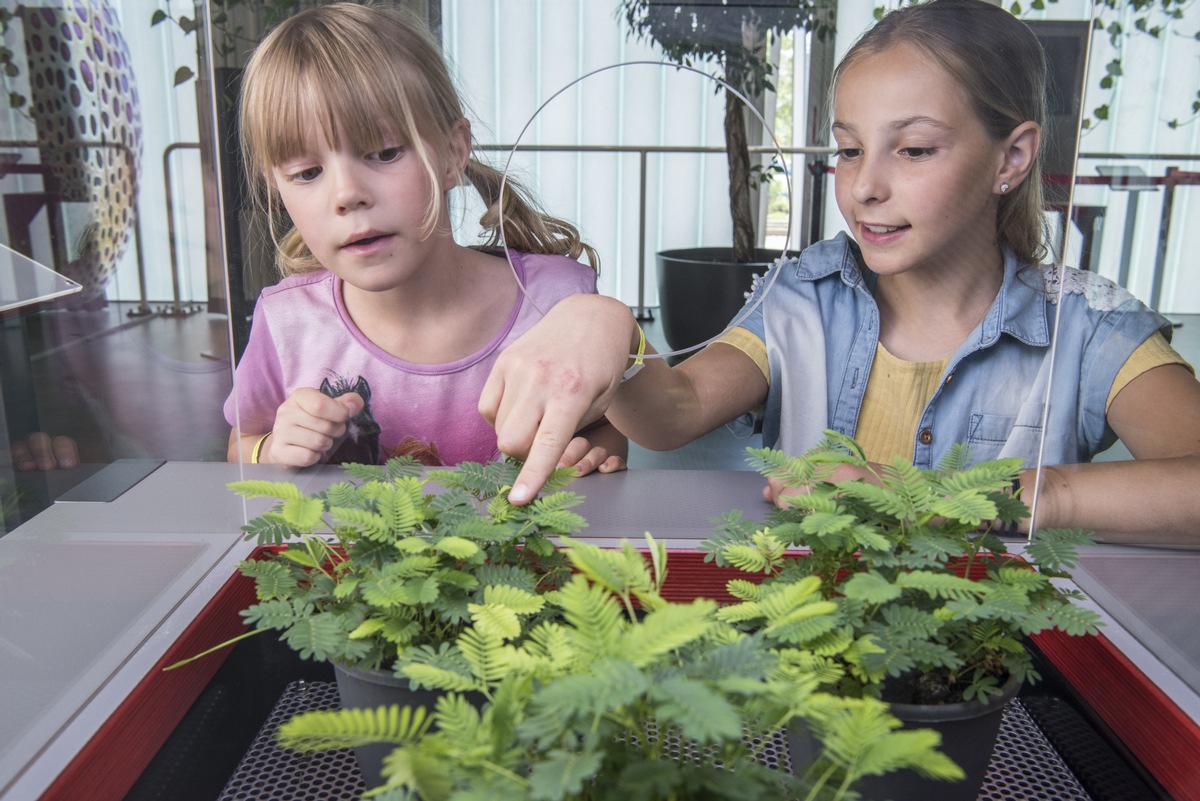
820,325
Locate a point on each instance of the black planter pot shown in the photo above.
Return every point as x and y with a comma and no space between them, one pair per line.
969,730
367,689
700,290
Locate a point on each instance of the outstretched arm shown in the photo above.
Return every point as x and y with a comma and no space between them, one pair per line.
567,370
1153,500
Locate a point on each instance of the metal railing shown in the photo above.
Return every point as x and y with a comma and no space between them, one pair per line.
643,152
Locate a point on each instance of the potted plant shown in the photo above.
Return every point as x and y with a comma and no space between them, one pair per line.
621,695
701,289
367,569
933,611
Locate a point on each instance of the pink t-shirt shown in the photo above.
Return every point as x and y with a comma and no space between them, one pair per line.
302,336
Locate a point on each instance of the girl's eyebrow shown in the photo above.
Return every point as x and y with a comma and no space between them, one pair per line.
899,125
918,120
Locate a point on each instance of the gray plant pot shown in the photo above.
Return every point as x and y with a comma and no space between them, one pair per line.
969,730
700,290
367,689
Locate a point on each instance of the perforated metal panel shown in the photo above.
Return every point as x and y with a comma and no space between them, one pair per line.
1024,767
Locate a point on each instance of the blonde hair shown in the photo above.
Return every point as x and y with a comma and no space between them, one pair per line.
1001,67
364,73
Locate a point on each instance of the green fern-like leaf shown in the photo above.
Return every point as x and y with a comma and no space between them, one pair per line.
303,514
1075,620
373,526
276,614
485,653
701,713
618,571
253,488
563,774
608,685
269,529
458,547
1055,550
745,590
871,587
941,585
521,602
438,678
749,558
884,500
321,637
970,506
347,728
495,620
904,623
402,505
665,630
271,579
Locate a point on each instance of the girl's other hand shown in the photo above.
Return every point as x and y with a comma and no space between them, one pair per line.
587,457
40,451
776,492
307,425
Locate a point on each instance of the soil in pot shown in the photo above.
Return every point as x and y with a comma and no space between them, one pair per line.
359,688
969,730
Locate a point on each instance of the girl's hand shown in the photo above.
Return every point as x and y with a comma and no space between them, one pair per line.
307,427
557,377
776,492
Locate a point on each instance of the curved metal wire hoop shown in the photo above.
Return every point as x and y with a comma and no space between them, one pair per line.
746,311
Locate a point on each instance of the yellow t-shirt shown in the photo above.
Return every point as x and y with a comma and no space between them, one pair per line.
898,391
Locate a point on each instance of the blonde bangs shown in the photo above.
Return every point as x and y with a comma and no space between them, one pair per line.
359,92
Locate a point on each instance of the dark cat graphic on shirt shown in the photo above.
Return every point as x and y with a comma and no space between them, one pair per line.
361,443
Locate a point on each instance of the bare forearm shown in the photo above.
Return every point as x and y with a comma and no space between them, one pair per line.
666,407
1142,502
241,448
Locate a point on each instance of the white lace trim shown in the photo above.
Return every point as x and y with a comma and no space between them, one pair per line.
1100,293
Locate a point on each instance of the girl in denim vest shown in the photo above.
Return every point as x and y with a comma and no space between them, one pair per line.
929,323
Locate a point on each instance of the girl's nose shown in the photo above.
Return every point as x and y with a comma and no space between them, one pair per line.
870,181
350,191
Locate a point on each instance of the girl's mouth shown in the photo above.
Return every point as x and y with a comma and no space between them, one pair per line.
873,234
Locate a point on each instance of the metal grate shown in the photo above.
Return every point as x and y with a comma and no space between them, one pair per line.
1024,765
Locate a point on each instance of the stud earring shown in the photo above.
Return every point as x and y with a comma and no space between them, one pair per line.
1003,188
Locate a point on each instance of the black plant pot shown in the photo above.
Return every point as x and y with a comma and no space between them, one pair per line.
969,730
366,689
700,290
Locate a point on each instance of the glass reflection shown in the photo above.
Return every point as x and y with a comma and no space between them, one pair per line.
101,179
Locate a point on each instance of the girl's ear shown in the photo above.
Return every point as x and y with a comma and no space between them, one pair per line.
459,154
1020,149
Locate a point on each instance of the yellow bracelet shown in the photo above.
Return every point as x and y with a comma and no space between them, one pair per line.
638,362
258,448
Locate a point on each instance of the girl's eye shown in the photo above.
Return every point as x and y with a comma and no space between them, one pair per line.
305,175
387,155
848,153
917,152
